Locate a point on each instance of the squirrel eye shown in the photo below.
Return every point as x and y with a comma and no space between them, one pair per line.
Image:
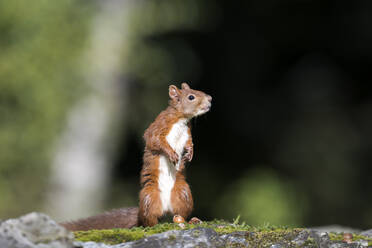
191,97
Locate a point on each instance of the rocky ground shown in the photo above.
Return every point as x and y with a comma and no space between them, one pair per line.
38,230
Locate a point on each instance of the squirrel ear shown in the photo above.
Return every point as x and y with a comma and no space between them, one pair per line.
174,92
185,86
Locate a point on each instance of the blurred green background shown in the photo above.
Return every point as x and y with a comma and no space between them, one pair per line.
286,142
40,45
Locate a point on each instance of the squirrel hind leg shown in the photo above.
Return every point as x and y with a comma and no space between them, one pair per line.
182,202
149,220
150,207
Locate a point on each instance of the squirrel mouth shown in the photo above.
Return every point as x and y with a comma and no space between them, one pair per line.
207,108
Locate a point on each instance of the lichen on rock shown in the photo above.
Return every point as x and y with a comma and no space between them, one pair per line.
218,234
34,230
37,230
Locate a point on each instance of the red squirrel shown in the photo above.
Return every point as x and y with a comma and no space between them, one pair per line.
169,146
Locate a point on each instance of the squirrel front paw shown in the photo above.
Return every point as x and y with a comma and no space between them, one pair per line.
189,153
173,157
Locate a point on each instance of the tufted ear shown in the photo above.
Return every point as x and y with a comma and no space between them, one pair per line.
185,86
174,92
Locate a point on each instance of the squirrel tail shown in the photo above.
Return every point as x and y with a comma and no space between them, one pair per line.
116,218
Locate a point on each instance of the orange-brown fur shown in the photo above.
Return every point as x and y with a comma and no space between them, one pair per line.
150,205
150,208
181,197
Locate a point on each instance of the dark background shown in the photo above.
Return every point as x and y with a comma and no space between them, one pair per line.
290,82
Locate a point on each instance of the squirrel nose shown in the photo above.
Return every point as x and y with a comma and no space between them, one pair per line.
209,98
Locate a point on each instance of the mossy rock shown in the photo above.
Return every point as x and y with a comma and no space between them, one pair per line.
262,236
356,237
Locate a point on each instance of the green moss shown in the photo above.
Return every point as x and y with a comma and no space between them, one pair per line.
262,236
112,236
310,242
267,238
172,237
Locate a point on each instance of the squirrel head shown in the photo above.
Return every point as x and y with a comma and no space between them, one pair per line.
189,102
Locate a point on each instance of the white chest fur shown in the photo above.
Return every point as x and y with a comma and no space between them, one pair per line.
177,139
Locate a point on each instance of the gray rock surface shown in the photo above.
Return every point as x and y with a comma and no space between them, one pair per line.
323,240
79,244
335,228
34,230
205,237
367,233
197,237
37,230
235,239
